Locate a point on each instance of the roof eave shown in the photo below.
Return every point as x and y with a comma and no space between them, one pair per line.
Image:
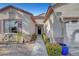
50,10
10,6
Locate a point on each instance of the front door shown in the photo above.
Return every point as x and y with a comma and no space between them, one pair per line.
39,30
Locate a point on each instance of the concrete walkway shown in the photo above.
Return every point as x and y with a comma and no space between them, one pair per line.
39,48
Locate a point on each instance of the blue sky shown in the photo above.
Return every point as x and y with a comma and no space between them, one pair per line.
34,8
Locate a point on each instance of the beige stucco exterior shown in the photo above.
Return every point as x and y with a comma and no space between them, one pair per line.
64,32
10,14
27,22
55,27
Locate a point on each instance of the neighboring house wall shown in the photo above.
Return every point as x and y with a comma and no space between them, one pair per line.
28,27
71,28
49,31
39,21
69,10
54,29
47,28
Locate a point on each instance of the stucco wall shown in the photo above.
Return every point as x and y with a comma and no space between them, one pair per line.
53,27
39,21
69,10
28,26
70,29
48,29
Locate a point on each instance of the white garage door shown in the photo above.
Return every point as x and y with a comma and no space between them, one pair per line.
72,30
76,37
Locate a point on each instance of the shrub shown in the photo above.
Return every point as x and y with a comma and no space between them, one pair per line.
45,38
34,36
53,49
18,35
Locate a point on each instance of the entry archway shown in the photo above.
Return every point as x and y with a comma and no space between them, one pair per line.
39,29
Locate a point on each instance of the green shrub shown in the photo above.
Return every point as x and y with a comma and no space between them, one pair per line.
53,49
18,35
34,36
45,38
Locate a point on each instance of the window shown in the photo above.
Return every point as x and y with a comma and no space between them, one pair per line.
11,26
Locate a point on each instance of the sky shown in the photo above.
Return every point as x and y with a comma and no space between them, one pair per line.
34,8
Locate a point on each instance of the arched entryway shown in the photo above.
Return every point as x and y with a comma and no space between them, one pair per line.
39,29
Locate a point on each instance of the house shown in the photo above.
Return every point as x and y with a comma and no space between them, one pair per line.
52,26
61,25
14,20
61,20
